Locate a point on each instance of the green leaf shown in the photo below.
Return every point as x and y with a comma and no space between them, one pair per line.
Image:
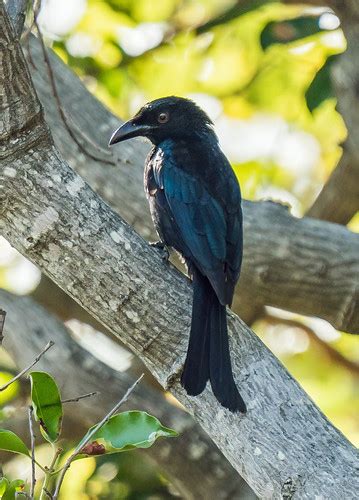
126,431
47,404
240,8
9,441
289,30
19,484
321,87
4,483
9,489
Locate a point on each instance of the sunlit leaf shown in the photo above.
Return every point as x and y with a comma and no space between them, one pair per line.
289,30
8,489
143,10
47,404
76,480
9,441
3,485
126,431
239,9
9,393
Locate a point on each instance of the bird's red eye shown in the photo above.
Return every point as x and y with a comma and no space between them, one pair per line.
163,117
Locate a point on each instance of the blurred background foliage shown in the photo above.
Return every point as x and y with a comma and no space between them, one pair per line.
261,70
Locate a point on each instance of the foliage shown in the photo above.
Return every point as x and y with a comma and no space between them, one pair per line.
256,60
8,489
122,432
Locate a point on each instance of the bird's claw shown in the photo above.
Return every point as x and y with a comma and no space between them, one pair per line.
162,248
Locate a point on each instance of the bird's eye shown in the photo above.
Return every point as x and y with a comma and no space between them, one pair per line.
163,117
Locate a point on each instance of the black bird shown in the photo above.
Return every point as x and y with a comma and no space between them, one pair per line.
195,203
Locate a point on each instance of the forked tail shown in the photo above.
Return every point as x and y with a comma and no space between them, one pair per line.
208,356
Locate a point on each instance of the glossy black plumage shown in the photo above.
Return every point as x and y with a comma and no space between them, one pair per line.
195,204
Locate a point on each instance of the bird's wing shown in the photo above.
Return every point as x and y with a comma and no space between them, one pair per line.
202,223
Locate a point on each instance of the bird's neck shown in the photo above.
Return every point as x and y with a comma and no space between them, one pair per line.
194,139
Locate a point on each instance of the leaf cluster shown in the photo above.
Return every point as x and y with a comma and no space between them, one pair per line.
121,432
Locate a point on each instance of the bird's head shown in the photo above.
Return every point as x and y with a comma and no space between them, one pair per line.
166,118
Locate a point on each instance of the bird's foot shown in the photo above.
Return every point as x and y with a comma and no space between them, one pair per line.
162,248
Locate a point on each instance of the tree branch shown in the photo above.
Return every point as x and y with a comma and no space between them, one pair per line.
284,443
27,368
32,441
339,199
183,460
59,105
2,322
78,398
287,262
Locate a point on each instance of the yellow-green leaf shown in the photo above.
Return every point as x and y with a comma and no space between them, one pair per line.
126,431
9,441
47,405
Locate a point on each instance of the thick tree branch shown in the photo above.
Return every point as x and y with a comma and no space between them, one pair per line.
284,443
339,199
184,460
288,263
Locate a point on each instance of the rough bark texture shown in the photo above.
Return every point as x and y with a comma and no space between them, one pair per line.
283,446
16,10
300,265
338,201
184,460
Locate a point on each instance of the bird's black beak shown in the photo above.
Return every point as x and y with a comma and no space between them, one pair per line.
127,131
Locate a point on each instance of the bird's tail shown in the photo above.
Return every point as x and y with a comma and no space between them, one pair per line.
208,356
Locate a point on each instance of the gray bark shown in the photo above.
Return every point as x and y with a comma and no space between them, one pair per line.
284,446
16,10
304,266
192,455
338,201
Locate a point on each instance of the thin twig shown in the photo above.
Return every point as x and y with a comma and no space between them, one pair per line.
2,322
86,439
36,6
74,400
60,108
36,360
48,494
332,353
32,440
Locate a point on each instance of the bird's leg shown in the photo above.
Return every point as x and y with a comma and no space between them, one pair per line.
163,249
